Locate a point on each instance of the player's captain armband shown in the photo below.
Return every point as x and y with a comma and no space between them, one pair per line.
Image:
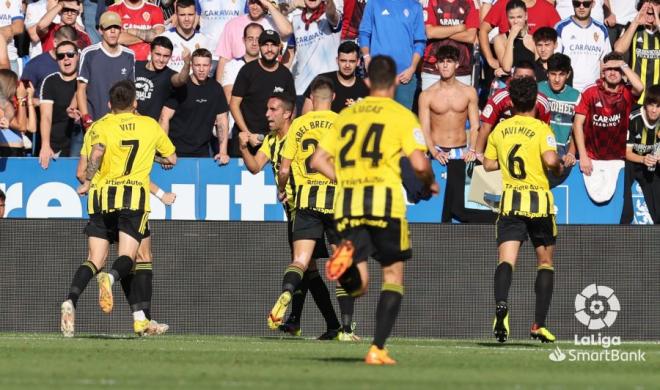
550,139
419,136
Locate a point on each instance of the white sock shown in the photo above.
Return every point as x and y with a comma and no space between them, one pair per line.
112,278
139,316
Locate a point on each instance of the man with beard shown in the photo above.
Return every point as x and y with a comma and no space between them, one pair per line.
101,66
155,81
255,83
184,34
190,114
601,123
642,34
349,88
444,108
57,91
231,46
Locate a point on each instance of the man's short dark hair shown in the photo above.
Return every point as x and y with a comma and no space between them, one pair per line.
613,56
3,197
652,95
348,47
524,64
382,72
513,4
202,52
66,43
447,52
66,33
122,95
523,94
559,62
322,82
163,42
252,25
545,34
287,101
185,4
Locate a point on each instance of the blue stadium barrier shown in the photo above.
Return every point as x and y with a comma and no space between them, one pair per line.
206,191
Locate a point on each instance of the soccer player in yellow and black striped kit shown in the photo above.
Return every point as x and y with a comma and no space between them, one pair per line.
314,203
362,155
523,148
123,149
279,113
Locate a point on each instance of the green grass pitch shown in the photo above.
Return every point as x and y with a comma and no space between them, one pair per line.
48,361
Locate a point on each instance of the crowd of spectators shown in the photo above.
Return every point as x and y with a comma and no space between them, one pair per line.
205,68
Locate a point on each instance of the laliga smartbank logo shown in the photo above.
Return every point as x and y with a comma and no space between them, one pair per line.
597,307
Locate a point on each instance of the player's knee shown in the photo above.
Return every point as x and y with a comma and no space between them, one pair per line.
300,265
545,264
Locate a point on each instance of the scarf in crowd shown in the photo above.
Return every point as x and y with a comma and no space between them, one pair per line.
315,16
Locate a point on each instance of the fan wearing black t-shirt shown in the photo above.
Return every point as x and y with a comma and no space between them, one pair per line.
255,83
190,114
154,81
56,93
348,87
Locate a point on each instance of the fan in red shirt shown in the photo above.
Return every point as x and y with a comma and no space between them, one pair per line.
540,13
68,11
601,115
499,106
141,23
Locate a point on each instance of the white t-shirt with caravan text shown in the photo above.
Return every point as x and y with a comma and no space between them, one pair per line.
196,41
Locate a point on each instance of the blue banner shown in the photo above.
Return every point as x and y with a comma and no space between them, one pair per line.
207,191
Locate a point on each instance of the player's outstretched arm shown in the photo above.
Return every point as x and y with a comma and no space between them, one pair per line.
322,162
423,170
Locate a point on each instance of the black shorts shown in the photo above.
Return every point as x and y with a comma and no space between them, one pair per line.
542,231
108,225
320,250
385,239
313,225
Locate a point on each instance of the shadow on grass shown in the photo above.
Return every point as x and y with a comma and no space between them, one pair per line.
335,359
283,338
107,337
495,344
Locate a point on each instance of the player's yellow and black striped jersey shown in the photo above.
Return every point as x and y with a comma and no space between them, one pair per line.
131,142
366,144
518,144
313,190
272,147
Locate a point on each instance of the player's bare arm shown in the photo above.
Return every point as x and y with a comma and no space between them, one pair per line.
578,133
93,165
423,171
490,165
254,163
282,178
552,161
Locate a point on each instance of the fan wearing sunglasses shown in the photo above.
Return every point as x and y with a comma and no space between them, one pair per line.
585,41
57,91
